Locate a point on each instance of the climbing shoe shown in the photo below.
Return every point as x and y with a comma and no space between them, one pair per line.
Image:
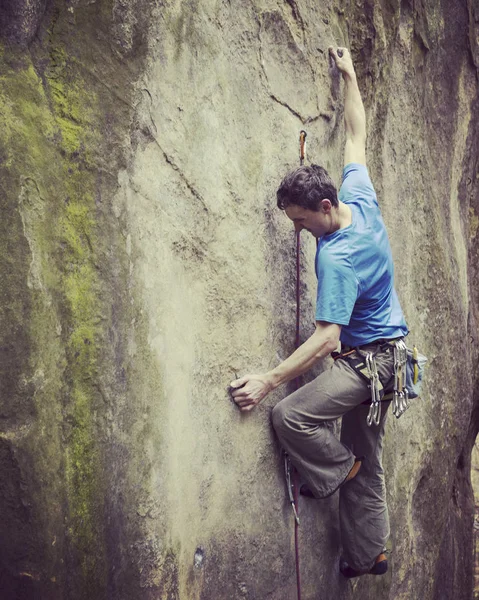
305,490
379,568
355,468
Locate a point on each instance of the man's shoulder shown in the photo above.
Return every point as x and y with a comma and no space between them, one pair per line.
354,167
335,250
356,185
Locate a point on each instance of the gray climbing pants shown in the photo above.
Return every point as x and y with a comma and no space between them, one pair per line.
302,422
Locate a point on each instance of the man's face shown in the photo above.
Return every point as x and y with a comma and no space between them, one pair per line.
318,223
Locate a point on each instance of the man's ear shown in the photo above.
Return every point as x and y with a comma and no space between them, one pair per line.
326,205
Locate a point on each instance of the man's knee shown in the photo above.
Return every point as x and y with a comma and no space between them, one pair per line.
284,417
278,417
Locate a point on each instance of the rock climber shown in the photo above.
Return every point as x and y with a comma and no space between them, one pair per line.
356,305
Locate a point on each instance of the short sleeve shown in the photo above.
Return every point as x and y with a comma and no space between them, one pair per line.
357,185
338,290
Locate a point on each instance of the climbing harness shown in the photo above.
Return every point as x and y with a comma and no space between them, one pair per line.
364,364
407,376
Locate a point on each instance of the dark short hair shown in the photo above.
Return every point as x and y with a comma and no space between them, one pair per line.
306,187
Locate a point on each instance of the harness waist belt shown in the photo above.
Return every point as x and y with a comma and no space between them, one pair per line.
380,342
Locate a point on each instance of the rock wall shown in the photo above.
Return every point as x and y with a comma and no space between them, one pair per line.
144,265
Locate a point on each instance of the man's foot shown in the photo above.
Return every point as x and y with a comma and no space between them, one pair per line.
305,490
379,568
355,468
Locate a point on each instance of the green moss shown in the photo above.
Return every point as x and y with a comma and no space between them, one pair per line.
81,472
74,107
48,132
76,122
22,108
51,119
47,147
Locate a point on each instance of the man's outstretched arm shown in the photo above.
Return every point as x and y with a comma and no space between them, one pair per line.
354,113
249,390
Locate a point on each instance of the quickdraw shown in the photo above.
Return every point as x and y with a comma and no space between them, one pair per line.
374,415
302,146
400,392
365,366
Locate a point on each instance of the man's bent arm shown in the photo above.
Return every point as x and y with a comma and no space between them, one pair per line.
251,389
323,341
354,113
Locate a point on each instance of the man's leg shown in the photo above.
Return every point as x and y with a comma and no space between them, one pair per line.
363,510
301,423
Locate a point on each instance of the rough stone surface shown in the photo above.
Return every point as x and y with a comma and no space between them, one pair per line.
19,19
144,265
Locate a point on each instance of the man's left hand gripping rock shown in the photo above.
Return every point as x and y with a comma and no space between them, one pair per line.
249,390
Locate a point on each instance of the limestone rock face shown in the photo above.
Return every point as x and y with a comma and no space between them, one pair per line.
144,265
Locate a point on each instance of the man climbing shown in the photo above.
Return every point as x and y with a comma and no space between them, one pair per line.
357,305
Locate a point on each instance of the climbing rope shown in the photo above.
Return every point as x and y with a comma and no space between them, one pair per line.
292,475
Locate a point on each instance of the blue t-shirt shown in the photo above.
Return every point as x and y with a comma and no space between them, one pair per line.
355,269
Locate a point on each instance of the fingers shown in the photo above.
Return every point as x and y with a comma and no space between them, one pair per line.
249,390
243,402
242,395
245,405
237,389
341,59
241,398
337,53
237,383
